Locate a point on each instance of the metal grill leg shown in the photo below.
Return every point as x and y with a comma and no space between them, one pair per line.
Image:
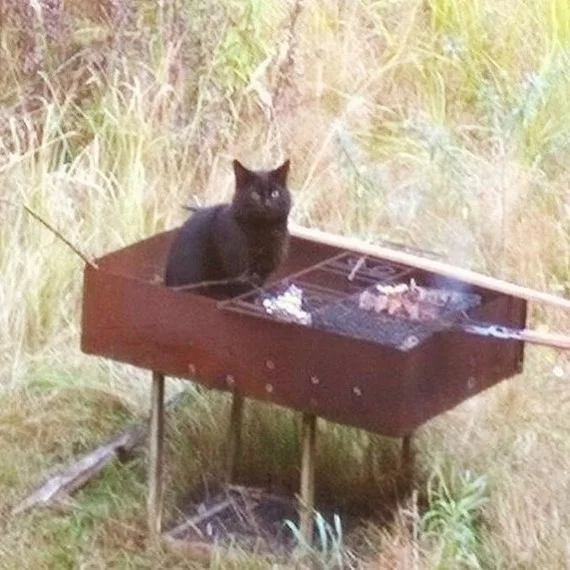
234,436
156,484
407,459
307,498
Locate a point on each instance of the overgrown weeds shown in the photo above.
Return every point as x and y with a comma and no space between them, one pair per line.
440,124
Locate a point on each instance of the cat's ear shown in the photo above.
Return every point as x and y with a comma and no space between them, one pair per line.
280,174
242,174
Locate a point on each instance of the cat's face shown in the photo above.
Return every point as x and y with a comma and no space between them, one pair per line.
261,194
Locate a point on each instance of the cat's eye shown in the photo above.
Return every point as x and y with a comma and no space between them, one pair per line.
255,195
275,194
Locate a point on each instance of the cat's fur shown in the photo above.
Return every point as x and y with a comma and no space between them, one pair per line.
245,240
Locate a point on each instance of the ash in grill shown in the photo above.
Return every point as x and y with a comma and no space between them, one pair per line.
361,297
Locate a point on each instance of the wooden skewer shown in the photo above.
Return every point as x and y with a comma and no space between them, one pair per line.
545,338
526,335
55,232
432,265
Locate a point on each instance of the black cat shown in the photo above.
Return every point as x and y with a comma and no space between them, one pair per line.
244,241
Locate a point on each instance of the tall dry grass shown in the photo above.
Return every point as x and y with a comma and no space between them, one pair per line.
438,123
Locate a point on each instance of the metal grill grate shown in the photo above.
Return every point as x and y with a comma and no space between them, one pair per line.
330,292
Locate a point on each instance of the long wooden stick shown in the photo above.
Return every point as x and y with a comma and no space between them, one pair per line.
432,265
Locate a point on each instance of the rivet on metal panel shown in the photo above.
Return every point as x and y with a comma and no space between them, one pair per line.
268,388
192,369
357,391
270,364
315,381
471,382
410,342
230,380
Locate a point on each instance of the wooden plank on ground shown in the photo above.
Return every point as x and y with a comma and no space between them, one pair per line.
57,488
